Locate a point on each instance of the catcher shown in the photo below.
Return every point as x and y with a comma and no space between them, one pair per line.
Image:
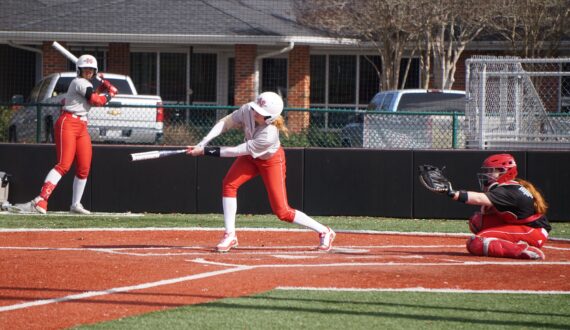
512,221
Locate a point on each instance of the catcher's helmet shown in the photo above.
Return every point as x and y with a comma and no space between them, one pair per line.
86,61
496,169
269,105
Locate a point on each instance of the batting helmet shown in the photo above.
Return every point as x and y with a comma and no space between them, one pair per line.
86,61
269,105
497,169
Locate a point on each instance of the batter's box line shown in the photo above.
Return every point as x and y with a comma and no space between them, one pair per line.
384,264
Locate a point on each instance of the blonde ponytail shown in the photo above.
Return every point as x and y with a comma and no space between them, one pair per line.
540,204
280,124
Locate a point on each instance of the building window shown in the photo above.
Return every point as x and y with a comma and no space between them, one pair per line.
274,76
143,72
173,77
231,80
318,79
342,79
368,80
203,75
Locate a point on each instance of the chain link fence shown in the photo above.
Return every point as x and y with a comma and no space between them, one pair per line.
516,103
187,124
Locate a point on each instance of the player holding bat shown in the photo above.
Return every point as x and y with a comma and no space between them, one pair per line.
72,141
512,222
260,154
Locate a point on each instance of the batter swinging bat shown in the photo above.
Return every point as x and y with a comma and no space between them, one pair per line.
68,54
155,154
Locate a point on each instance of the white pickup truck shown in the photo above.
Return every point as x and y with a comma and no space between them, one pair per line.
127,118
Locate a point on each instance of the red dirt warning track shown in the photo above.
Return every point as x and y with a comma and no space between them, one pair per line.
58,279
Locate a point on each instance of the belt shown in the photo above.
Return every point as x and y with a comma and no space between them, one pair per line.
84,118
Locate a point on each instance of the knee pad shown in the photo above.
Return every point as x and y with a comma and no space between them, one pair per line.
478,245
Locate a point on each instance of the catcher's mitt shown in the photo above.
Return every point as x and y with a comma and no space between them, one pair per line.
433,179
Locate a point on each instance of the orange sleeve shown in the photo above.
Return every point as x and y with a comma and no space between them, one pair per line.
99,99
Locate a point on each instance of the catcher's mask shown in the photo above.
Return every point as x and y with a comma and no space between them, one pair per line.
497,169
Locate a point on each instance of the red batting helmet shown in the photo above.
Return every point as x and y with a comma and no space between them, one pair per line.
497,169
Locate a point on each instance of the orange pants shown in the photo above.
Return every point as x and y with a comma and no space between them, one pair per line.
272,172
72,142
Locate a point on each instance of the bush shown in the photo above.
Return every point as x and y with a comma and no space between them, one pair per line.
5,116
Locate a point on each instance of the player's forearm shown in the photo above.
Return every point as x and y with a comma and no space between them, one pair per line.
236,151
220,127
472,198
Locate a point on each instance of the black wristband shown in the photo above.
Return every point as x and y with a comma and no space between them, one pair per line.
212,151
462,196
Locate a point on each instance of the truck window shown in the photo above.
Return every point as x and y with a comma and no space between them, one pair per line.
432,102
44,89
381,102
36,91
62,85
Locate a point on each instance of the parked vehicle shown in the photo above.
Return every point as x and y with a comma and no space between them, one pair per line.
127,118
402,131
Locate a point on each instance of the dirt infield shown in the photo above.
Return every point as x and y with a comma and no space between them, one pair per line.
55,278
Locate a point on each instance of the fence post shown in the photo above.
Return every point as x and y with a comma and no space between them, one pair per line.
454,130
38,122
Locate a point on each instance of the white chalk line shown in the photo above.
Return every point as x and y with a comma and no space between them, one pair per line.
91,294
75,215
237,268
220,229
420,289
389,263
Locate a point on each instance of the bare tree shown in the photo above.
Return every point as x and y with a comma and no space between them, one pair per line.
450,26
534,28
387,25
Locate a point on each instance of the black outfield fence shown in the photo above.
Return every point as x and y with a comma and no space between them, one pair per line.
321,181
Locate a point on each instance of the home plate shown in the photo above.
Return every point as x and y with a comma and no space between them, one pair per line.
348,250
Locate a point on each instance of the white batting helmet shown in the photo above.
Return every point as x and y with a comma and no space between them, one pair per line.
86,61
269,105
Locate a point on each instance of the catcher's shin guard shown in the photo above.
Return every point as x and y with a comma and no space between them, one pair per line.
494,247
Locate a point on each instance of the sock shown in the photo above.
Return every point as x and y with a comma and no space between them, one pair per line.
78,188
306,221
50,183
230,209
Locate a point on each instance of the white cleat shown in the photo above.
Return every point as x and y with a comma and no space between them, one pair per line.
228,242
327,239
29,207
78,209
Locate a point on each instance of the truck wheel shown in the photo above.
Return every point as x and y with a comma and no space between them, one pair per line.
12,134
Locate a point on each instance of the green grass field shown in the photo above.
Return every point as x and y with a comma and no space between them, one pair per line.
298,309
560,229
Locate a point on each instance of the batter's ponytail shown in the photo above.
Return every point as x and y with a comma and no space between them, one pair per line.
280,124
539,203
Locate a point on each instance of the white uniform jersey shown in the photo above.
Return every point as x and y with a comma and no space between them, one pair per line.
262,141
75,100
